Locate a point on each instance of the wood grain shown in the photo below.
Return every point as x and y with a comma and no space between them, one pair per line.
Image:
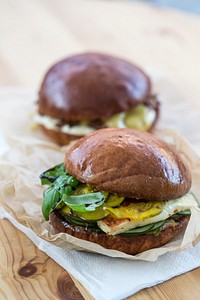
183,287
35,34
28,273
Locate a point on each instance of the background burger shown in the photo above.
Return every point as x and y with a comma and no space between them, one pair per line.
91,91
123,189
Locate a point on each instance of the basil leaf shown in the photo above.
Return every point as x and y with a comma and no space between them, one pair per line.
51,197
49,176
64,180
67,190
62,185
72,181
61,181
84,203
45,181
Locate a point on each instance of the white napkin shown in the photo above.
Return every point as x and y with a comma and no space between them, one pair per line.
113,278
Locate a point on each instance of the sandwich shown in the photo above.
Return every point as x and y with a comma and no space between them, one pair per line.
123,189
90,91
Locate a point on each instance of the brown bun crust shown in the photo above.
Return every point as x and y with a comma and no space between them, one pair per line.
126,244
92,86
130,163
59,137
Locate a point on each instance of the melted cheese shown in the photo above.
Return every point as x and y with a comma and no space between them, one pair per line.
140,117
52,123
115,226
77,129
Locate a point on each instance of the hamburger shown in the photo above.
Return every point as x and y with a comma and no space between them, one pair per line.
89,91
123,189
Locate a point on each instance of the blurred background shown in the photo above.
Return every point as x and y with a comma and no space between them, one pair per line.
187,5
159,35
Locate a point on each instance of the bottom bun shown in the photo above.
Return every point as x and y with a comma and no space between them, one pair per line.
127,244
59,137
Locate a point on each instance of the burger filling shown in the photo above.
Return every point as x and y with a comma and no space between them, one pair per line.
85,206
140,117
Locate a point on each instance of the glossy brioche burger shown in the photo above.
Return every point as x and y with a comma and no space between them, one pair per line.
123,189
91,91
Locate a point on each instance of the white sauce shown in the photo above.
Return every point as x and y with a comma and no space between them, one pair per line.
171,207
51,123
83,128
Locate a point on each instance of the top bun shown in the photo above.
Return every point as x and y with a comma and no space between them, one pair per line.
129,163
92,86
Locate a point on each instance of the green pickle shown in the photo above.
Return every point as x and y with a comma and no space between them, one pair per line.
99,213
84,189
113,200
138,118
102,212
95,215
116,120
65,210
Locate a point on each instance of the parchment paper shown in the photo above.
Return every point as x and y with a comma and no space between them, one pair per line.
24,156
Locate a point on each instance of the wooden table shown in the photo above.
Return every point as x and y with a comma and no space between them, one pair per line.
35,34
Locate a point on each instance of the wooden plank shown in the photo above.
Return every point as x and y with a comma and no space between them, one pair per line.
28,273
181,287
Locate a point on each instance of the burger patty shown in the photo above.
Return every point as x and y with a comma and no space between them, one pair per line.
128,244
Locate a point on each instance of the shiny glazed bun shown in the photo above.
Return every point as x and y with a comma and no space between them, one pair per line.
92,86
90,91
129,163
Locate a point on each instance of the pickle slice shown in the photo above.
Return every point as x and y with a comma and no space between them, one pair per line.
140,117
101,211
114,200
137,211
97,214
83,189
116,121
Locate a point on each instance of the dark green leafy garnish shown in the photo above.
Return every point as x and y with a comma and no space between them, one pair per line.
51,197
153,228
61,188
74,220
68,193
84,203
182,213
144,229
48,177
